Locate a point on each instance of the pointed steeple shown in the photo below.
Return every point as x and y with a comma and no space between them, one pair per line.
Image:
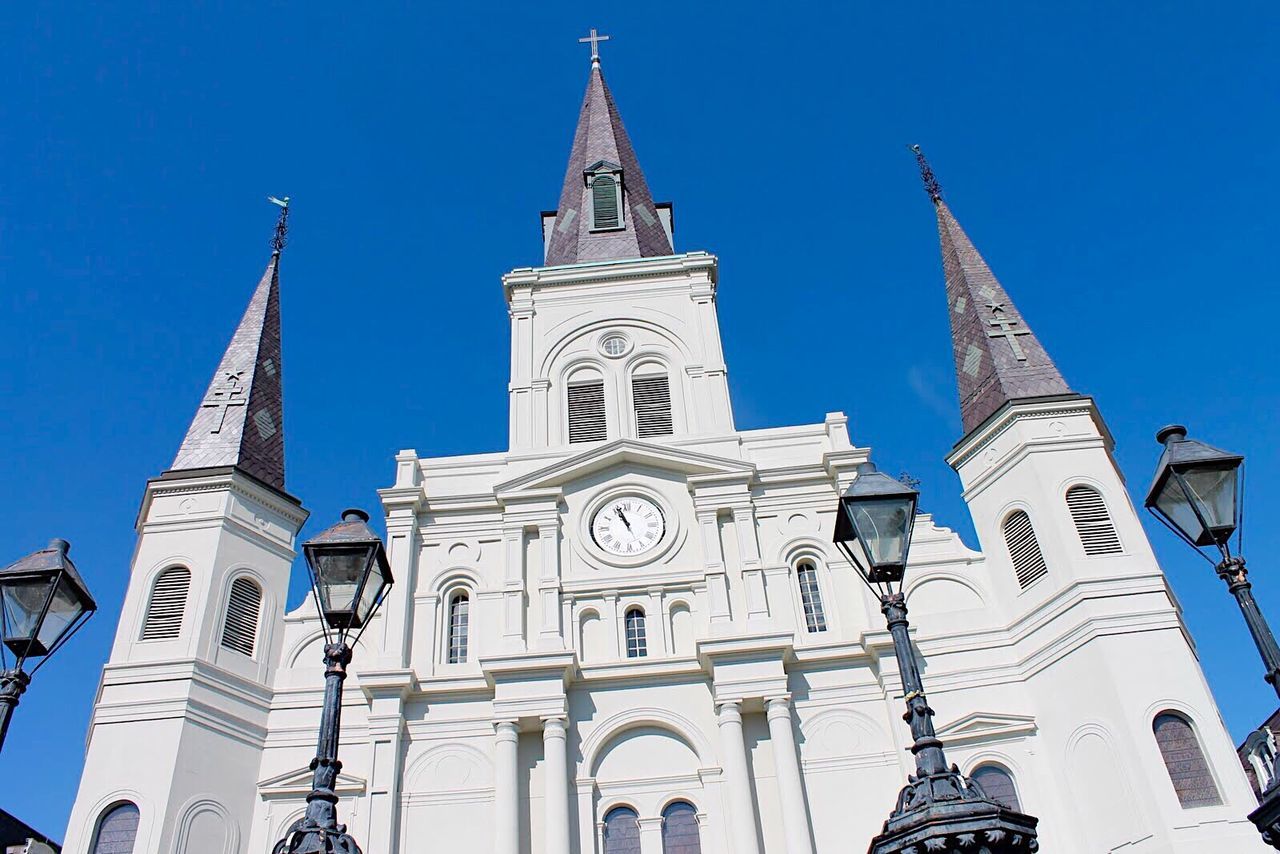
998,357
240,421
602,152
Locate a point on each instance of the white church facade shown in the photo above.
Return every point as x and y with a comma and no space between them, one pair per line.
630,633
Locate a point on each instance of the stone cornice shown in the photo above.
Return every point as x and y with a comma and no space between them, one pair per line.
597,271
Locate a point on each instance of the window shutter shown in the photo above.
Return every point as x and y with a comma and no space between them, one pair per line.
652,398
1024,549
1185,761
240,629
604,202
168,601
586,412
1093,522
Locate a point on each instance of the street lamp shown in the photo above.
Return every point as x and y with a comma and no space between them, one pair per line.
1197,494
43,602
350,576
939,809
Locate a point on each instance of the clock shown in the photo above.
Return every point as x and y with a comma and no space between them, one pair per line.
628,526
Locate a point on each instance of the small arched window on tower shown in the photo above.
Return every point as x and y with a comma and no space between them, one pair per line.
459,626
586,411
1093,522
244,605
605,181
637,646
1185,762
651,398
622,831
998,784
1024,549
680,829
815,618
117,829
167,604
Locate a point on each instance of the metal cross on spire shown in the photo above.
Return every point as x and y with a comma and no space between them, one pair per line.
595,39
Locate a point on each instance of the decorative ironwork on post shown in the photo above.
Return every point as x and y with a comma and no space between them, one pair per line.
931,185
282,224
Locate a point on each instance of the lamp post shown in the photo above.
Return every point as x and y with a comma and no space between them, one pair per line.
43,602
1197,494
939,809
350,577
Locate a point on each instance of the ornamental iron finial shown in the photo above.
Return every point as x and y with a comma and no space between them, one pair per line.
931,185
282,224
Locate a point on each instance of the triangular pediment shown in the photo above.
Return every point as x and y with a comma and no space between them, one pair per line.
986,727
298,783
625,452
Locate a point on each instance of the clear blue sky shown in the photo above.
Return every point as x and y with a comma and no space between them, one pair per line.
1116,165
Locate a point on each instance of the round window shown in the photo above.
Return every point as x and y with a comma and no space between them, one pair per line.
614,345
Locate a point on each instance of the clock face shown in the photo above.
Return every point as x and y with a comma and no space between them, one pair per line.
628,526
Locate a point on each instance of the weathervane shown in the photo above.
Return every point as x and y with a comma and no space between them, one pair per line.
595,39
282,225
931,185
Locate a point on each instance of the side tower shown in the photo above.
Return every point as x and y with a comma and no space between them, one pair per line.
1121,702
175,741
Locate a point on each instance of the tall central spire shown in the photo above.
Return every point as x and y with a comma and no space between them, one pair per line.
605,211
998,358
240,422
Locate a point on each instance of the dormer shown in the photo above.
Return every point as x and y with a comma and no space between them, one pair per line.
604,181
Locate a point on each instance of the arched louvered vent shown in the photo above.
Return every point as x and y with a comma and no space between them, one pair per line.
651,396
1024,549
1093,522
117,829
586,412
240,629
998,785
168,602
604,202
1185,762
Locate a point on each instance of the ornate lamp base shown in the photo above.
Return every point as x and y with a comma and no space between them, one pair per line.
949,814
318,832
1267,816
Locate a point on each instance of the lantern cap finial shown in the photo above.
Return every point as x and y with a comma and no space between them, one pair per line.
354,514
1171,433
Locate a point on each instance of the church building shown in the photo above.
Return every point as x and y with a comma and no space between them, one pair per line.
630,632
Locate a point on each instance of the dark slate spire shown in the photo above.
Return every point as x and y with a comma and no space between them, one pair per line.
998,357
241,420
601,142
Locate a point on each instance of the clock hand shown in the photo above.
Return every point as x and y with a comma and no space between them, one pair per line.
622,516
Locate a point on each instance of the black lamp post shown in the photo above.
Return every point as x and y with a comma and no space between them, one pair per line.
350,577
1197,495
939,809
43,602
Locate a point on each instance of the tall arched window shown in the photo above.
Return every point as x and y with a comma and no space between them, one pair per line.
167,604
651,399
605,204
1093,522
998,784
815,619
586,411
117,829
244,606
459,626
1024,549
680,829
636,644
1184,760
622,831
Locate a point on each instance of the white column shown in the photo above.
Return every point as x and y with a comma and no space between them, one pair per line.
650,835
555,784
795,817
506,794
733,756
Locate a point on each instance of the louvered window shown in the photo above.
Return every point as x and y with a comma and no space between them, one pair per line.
652,398
1185,761
459,625
117,830
998,785
637,646
815,619
168,602
604,203
240,629
1093,522
586,412
1024,549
